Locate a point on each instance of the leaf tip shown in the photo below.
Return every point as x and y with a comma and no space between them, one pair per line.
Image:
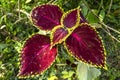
105,67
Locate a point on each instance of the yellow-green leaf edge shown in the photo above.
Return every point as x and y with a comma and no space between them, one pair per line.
82,60
78,18
19,59
39,27
70,30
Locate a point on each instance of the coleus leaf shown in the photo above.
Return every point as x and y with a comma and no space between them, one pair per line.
85,44
71,18
46,16
58,35
36,55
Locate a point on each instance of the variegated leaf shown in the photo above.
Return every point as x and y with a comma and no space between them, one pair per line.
58,35
86,45
36,55
71,18
46,16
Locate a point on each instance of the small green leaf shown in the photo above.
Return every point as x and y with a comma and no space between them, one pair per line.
53,78
86,72
85,10
102,15
71,73
92,18
2,46
67,74
28,1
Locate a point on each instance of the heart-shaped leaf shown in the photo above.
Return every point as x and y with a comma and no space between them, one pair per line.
58,35
86,45
46,16
36,55
71,18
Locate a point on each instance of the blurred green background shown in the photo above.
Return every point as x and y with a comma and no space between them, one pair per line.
15,28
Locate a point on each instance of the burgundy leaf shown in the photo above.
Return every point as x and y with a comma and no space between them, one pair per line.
71,18
46,16
36,55
58,35
85,45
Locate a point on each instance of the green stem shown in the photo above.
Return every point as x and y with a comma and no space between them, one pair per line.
102,23
101,3
111,35
24,12
110,6
19,8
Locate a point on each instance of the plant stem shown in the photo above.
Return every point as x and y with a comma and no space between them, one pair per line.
19,8
110,6
102,23
24,12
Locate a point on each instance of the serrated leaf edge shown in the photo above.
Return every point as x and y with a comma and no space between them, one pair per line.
70,30
19,59
39,27
82,60
52,35
78,18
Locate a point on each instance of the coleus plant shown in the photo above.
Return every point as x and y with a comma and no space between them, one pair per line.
68,28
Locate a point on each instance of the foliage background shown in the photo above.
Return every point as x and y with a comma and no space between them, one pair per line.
15,28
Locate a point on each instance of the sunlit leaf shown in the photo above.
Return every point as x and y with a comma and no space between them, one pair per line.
46,16
53,78
67,74
93,73
82,71
102,15
85,45
86,72
36,55
28,1
92,18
